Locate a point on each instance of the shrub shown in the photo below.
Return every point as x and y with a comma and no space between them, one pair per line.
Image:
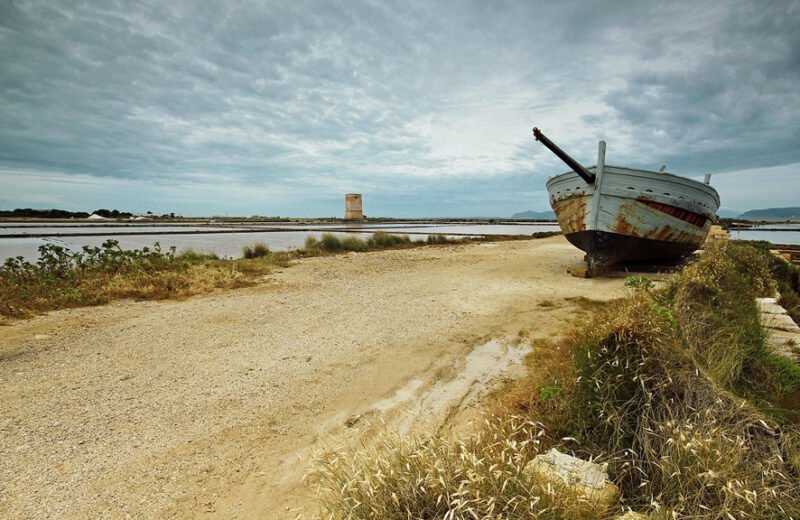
713,300
257,250
330,242
312,244
94,275
437,239
790,301
383,240
754,265
260,249
353,244
545,234
190,255
639,282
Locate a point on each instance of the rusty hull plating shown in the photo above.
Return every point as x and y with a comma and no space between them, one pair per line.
618,214
640,215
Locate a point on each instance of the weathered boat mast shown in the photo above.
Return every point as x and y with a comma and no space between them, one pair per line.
561,154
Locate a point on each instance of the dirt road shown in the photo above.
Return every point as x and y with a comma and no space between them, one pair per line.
209,407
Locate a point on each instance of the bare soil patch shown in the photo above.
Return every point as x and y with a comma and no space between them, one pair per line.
210,406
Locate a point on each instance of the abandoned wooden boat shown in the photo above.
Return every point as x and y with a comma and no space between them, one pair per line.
618,214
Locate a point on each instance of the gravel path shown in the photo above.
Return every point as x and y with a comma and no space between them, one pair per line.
194,408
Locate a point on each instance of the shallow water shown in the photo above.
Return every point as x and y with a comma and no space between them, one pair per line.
776,237
97,229
229,244
222,244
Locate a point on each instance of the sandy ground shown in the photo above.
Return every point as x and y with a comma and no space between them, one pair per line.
211,407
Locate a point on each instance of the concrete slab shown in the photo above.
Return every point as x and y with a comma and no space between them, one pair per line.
769,306
780,322
759,301
783,332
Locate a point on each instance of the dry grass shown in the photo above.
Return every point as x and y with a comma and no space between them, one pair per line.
96,275
674,437
480,476
667,387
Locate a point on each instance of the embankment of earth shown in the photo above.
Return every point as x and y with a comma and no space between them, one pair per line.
674,389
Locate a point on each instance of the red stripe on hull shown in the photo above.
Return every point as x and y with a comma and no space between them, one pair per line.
695,219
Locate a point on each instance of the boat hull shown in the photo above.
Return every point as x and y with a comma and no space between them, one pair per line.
632,215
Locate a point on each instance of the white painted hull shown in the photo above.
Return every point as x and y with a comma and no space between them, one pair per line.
631,214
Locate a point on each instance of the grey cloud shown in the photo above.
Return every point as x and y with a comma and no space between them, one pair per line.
736,106
306,95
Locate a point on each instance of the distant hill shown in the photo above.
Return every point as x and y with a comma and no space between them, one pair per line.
542,215
727,213
771,214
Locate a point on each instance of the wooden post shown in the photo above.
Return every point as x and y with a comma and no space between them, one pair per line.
598,183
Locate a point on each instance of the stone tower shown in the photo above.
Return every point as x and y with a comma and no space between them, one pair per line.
352,207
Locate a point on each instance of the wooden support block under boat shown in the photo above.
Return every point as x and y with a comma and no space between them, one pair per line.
579,272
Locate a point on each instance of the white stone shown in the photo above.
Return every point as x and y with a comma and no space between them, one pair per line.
577,477
632,515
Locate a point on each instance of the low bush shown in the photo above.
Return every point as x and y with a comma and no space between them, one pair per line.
257,250
190,255
330,243
713,301
545,234
311,244
353,244
639,282
94,275
790,301
786,275
383,240
437,239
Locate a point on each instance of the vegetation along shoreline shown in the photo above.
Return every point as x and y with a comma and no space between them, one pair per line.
62,278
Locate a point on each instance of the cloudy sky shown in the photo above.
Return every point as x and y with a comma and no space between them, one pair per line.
279,108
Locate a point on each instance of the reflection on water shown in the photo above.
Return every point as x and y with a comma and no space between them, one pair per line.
230,244
776,237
